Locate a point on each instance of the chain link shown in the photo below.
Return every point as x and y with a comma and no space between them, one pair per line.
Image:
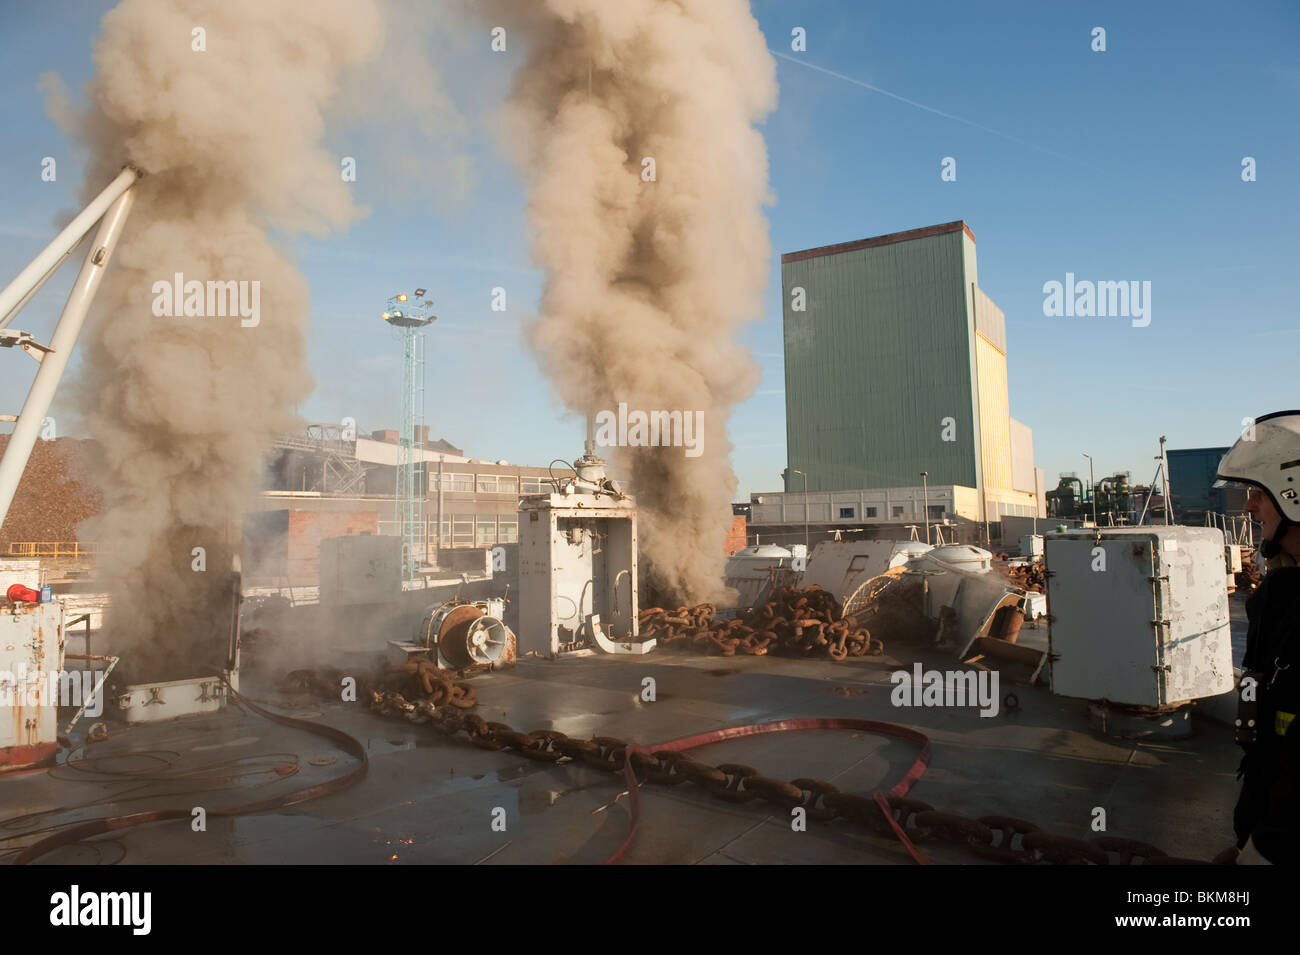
793,622
1003,839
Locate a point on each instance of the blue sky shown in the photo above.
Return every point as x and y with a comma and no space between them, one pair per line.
1117,165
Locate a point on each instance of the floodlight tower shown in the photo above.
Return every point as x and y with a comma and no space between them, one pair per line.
409,317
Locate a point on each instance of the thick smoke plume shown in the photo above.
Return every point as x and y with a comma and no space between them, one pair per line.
230,140
649,281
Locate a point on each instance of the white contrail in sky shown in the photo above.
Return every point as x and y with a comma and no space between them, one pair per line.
912,102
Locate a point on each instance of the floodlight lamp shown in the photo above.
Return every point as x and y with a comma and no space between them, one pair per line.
419,292
402,297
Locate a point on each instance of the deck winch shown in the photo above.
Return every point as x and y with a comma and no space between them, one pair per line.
460,634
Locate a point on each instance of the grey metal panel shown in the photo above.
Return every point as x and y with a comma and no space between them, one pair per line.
841,566
1192,595
1101,637
877,321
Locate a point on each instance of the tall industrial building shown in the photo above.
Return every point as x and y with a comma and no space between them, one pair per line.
895,363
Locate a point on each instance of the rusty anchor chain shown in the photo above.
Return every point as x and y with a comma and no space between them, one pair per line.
997,838
1031,577
793,622
417,681
1002,839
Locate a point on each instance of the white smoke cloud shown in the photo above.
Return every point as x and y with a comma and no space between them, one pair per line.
648,282
230,140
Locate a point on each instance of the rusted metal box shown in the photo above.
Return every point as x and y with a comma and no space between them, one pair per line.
31,658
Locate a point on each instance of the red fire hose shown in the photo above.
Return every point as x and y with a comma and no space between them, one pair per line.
900,788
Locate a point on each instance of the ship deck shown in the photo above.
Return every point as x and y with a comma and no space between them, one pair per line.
429,798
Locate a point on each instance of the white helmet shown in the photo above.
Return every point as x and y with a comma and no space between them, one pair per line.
1267,456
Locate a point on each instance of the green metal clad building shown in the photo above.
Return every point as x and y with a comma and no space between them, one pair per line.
895,363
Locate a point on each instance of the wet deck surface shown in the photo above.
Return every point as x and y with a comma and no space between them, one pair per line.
431,799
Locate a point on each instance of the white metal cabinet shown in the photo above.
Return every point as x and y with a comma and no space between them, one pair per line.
31,650
1138,616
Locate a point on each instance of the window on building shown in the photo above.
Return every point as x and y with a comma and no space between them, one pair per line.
507,484
871,512
936,512
487,483
507,530
459,482
421,551
897,510
530,485
462,530
487,530
848,513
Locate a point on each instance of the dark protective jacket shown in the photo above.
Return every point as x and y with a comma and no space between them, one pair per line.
1269,808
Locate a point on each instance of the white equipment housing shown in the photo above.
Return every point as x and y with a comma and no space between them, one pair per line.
578,574
31,649
172,699
753,571
1139,615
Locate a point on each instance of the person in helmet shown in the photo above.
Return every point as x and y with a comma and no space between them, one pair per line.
1267,817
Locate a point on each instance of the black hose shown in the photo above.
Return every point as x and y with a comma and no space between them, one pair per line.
348,744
